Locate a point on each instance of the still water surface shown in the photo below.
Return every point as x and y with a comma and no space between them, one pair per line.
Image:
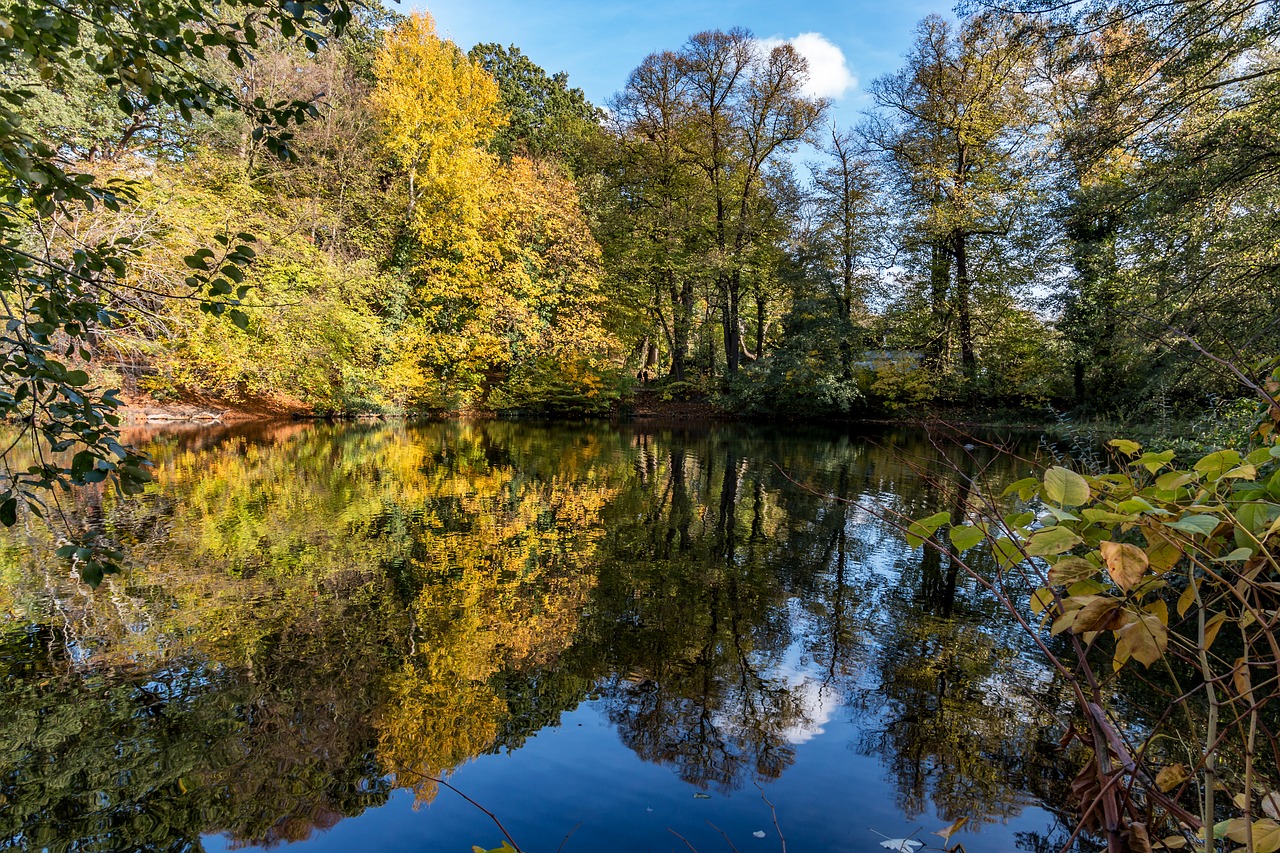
630,631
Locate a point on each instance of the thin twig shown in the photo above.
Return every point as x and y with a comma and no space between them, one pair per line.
568,836
774,812
682,838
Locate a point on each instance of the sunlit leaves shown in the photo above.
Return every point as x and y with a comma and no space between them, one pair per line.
1051,541
1065,487
1215,465
920,530
964,537
1171,777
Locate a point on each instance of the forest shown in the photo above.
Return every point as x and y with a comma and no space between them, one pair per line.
1069,210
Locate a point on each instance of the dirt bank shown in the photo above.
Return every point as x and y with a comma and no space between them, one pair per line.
194,408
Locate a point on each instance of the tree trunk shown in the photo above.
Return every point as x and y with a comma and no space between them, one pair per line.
732,336
939,284
964,321
681,320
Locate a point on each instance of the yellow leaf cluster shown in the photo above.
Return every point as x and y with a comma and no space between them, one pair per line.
434,103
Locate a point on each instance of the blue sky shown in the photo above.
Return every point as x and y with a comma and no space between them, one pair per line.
599,42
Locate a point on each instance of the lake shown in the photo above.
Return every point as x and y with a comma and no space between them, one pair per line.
633,637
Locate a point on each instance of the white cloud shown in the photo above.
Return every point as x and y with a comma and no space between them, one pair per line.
829,74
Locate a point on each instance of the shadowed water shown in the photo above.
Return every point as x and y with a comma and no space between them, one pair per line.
634,632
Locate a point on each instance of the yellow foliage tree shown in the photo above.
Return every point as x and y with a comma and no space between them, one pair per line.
437,107
507,309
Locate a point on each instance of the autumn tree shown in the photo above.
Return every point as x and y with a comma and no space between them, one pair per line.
651,227
506,309
954,126
845,210
437,106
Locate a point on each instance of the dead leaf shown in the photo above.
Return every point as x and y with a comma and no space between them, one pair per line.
1101,614
1171,777
1125,563
1145,639
1139,840
1068,570
1241,680
945,834
1271,805
1211,629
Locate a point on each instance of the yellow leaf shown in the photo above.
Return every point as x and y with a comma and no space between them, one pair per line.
1241,680
945,834
1125,563
1266,836
1187,598
1171,777
1211,629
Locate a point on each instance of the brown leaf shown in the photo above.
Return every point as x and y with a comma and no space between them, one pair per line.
1171,777
1125,563
1086,788
1241,680
946,833
1139,840
1068,570
1101,614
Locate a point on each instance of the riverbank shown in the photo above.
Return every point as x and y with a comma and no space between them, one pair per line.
652,405
142,409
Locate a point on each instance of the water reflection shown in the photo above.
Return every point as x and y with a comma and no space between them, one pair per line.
313,617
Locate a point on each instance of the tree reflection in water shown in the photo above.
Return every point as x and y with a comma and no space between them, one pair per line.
314,616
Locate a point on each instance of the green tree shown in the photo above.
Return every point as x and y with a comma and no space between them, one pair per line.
955,128
546,118
149,57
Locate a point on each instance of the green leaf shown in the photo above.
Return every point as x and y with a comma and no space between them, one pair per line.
1025,488
1065,487
918,531
965,537
1040,599
1202,524
82,463
1261,456
1052,540
1007,552
9,512
1128,448
1153,462
1213,466
1171,480
1102,516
